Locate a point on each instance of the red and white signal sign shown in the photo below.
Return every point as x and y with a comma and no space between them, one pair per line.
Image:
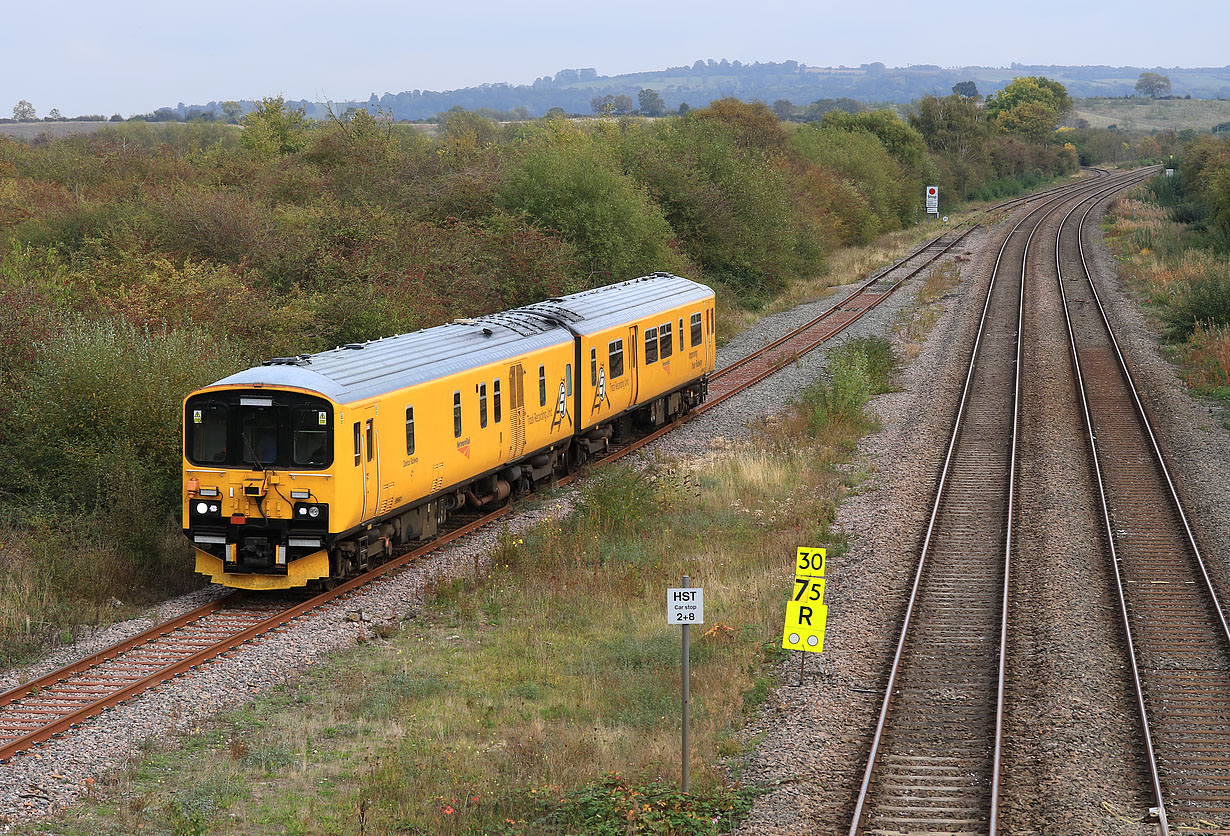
933,200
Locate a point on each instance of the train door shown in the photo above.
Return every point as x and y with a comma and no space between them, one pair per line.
367,449
516,411
632,354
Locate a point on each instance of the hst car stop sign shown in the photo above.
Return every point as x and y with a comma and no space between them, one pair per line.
933,200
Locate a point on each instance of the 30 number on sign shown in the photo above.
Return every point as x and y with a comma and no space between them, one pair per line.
809,562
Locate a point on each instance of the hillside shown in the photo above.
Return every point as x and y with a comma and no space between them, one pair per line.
1151,115
704,81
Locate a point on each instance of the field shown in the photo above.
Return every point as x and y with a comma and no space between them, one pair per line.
1150,114
33,130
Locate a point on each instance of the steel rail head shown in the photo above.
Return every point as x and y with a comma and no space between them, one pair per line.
861,802
1125,620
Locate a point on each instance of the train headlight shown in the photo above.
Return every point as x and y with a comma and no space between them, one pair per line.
202,508
303,512
313,511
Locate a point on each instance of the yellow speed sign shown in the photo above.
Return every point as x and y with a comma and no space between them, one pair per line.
805,627
809,561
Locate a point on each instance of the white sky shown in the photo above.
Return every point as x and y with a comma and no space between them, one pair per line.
131,56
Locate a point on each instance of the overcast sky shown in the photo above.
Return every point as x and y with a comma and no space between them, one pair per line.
131,56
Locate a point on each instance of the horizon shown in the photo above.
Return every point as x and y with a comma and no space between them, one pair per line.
91,64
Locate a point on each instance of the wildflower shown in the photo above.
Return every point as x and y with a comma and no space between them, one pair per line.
447,810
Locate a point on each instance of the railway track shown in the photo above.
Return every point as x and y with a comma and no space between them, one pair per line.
1174,625
934,763
54,703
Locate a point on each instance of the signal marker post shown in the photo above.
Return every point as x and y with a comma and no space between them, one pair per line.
685,607
806,613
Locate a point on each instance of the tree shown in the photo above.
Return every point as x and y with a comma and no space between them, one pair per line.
232,111
273,130
1153,85
785,109
623,105
23,111
684,108
1029,106
556,112
965,89
115,117
602,105
54,114
651,103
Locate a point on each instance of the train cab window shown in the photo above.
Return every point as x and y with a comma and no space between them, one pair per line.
615,358
651,345
495,400
568,380
311,437
209,433
697,336
456,415
358,445
593,367
542,385
260,435
482,405
409,431
371,441
664,338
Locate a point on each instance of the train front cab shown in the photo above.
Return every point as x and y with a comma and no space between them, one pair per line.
258,487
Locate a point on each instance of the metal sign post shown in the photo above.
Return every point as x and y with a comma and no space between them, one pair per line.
685,607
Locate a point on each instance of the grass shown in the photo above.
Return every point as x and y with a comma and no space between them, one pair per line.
916,322
540,695
844,266
1151,114
1183,283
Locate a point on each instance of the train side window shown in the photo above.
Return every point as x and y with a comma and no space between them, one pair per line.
667,342
370,441
482,405
593,367
697,336
358,445
651,345
615,358
542,385
568,380
495,400
409,431
456,415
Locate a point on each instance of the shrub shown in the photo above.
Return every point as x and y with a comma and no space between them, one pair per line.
857,371
569,183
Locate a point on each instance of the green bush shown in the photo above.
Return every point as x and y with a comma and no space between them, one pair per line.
729,202
861,158
98,416
857,371
570,183
1202,300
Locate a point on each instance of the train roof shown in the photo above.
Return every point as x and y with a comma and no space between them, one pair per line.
592,311
360,371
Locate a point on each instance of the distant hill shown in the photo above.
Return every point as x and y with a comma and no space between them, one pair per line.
698,84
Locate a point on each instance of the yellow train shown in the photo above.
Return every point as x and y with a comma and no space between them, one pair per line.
312,468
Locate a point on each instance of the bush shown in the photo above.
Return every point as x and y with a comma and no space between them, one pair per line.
99,416
570,183
728,201
858,371
1200,300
